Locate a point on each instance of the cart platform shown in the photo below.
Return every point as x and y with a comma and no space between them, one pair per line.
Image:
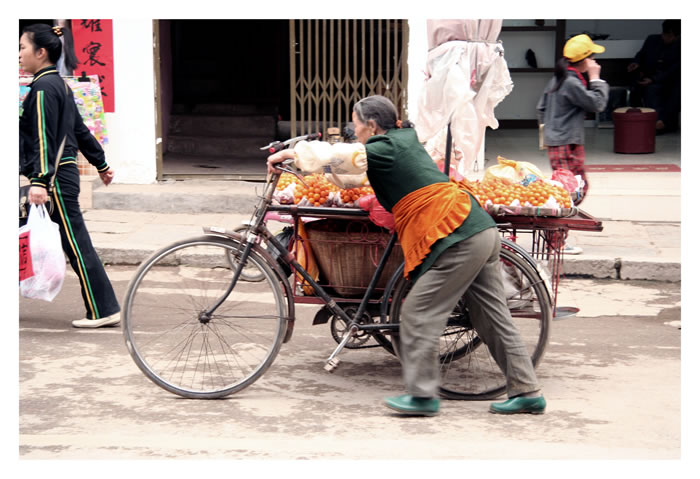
548,235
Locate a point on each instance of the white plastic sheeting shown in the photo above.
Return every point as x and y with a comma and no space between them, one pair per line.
466,78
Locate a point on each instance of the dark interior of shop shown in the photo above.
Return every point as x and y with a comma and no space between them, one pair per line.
231,62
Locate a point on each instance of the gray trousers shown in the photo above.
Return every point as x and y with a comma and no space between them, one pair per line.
472,265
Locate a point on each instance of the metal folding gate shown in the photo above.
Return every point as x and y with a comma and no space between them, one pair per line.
335,63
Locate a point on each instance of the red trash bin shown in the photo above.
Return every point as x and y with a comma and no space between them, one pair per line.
635,130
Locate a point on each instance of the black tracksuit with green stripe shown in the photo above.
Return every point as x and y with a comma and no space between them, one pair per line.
50,114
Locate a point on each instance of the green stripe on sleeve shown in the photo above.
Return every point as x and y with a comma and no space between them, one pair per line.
43,150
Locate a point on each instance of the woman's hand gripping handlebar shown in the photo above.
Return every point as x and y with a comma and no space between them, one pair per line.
281,153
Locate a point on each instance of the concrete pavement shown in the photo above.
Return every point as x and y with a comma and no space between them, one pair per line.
611,376
641,215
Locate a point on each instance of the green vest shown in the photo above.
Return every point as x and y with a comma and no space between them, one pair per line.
397,164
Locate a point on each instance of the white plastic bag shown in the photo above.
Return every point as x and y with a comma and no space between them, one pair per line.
337,158
43,266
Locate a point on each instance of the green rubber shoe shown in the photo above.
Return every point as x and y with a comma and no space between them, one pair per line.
518,405
413,406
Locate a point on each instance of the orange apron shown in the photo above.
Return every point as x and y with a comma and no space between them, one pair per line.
428,215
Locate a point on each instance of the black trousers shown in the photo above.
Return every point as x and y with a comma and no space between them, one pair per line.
666,100
95,287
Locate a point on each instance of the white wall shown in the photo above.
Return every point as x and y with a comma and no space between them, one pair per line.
417,54
521,103
131,150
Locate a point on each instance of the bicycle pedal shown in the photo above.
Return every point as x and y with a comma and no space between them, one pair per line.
331,365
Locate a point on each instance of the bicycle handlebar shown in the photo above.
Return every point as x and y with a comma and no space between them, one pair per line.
276,146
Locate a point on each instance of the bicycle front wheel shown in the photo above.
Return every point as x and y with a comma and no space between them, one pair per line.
176,339
468,371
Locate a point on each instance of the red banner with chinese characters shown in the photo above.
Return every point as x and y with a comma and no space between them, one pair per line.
94,49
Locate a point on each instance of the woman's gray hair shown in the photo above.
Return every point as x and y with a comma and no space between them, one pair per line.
378,108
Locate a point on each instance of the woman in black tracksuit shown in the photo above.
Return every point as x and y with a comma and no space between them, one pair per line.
50,115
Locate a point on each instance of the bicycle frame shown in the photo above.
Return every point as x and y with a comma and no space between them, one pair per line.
354,325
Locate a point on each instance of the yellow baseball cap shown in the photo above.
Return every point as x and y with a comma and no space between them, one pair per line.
580,47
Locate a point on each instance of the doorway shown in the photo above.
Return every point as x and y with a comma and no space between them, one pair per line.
223,87
226,88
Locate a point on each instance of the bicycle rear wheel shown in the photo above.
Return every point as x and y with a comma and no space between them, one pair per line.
468,371
180,347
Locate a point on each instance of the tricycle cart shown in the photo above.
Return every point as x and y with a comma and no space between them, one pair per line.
196,327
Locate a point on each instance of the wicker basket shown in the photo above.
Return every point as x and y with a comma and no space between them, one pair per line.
348,251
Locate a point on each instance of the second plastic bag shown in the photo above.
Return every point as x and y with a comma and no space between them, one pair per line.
511,171
43,265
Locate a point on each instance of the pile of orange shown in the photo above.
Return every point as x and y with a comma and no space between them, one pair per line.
501,192
353,194
318,190
285,180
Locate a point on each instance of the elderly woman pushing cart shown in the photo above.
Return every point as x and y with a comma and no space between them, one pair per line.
451,246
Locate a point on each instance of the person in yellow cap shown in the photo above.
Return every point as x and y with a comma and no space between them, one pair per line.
562,108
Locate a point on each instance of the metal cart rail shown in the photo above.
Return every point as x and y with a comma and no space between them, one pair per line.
548,236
